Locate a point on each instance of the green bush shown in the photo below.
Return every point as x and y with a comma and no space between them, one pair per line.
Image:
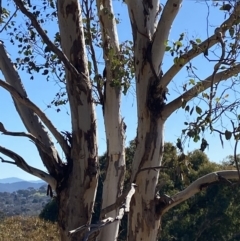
50,211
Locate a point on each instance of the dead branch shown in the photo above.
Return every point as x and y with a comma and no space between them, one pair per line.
28,103
103,223
21,163
207,44
49,43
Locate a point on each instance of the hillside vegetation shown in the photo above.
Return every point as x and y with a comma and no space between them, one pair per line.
21,228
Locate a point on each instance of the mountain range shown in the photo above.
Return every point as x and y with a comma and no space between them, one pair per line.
13,184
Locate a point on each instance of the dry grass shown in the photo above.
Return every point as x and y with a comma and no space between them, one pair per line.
27,229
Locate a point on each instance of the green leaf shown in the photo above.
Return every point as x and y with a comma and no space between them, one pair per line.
45,72
226,7
167,48
196,138
175,60
198,110
205,95
231,32
187,108
198,40
184,102
192,81
191,111
228,135
179,43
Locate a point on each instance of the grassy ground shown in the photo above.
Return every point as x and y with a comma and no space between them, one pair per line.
27,229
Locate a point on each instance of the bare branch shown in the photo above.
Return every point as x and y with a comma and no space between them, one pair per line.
198,88
38,143
48,42
28,103
199,185
119,201
162,32
21,163
103,223
208,43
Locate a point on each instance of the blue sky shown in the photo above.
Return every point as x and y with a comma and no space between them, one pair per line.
192,20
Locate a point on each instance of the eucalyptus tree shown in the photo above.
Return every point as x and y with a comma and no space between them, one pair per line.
82,29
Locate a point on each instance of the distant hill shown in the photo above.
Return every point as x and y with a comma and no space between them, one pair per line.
12,187
11,180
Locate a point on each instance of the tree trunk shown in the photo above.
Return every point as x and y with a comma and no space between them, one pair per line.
114,124
75,200
77,191
143,222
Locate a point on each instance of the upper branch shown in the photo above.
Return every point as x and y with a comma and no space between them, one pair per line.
108,27
198,88
47,41
199,185
28,103
21,163
208,43
161,35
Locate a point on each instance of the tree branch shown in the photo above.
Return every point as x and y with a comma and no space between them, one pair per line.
207,44
38,143
198,88
197,186
162,32
119,202
21,163
105,222
28,103
48,42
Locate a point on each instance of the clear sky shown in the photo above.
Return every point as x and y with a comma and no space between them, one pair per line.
192,20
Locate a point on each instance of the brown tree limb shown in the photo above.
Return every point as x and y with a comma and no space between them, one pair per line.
28,103
207,44
48,42
196,187
198,88
21,163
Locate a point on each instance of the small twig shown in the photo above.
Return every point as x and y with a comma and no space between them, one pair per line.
8,19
